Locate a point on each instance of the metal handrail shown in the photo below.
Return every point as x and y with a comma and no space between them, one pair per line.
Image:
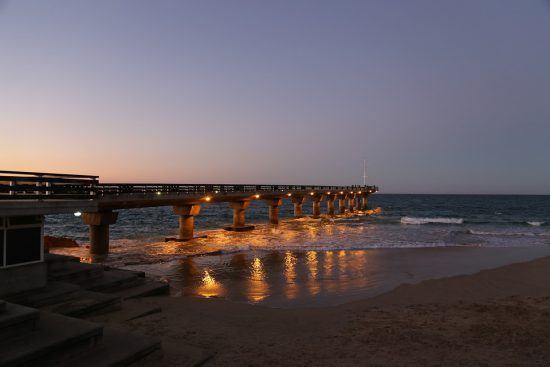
46,174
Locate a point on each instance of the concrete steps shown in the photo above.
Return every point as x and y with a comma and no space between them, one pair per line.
108,352
113,280
53,292
52,337
131,310
76,273
55,338
16,320
82,290
83,303
147,289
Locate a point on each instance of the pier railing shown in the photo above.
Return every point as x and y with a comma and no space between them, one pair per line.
44,186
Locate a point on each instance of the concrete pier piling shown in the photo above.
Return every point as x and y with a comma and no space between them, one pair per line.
186,220
364,201
351,202
330,204
239,209
342,203
316,199
298,201
99,230
274,205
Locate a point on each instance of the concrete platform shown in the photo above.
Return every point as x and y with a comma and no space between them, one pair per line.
55,262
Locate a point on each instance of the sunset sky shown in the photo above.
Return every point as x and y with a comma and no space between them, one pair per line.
437,96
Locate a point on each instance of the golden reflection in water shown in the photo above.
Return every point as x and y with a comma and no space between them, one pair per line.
329,263
313,268
359,261
209,286
291,288
313,231
328,270
342,281
257,289
342,264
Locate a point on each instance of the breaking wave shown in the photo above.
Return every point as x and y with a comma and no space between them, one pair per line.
536,224
436,220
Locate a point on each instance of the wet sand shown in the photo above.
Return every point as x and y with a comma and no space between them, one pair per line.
326,278
493,317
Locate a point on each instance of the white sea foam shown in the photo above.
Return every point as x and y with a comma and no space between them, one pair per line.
438,220
536,224
507,234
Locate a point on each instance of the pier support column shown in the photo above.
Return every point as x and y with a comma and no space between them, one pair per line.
342,203
351,202
330,204
316,199
298,201
274,205
364,202
99,230
187,215
239,208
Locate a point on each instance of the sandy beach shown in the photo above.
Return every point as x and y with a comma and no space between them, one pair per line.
493,317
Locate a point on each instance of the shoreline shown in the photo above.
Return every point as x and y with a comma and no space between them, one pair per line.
494,317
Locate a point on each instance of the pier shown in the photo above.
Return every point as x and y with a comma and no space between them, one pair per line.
39,194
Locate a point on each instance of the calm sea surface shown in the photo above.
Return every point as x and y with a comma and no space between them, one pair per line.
324,261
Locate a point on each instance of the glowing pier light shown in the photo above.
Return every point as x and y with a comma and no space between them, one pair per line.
77,214
158,192
341,193
289,194
208,198
328,193
312,193
257,196
358,192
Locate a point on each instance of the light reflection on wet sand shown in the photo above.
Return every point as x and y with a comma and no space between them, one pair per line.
291,287
315,278
257,285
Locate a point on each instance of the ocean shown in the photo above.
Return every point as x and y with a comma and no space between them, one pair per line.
309,262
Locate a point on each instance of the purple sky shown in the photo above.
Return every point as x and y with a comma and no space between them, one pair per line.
438,96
